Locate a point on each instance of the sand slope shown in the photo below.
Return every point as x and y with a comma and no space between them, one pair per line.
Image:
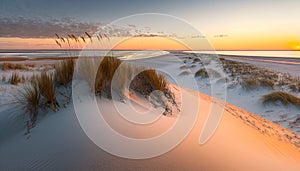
58,142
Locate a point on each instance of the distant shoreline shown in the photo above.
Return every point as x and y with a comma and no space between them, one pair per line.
290,59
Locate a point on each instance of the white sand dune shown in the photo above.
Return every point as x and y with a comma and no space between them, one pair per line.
59,143
242,141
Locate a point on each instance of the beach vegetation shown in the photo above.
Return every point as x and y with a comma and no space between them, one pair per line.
64,71
223,80
267,83
3,78
213,73
249,84
47,88
187,66
15,78
295,87
148,81
196,60
283,97
12,66
29,98
201,73
185,73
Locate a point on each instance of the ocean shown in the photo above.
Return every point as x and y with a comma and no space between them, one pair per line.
67,53
284,54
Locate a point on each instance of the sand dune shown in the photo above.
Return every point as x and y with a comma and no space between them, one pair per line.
238,143
242,141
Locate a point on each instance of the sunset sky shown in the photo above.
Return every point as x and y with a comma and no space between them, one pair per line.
227,25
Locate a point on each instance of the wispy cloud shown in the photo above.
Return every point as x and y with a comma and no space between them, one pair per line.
37,28
220,35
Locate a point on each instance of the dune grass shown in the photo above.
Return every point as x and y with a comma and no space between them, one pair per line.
213,73
41,91
223,80
47,88
29,98
105,73
185,73
196,60
15,78
187,66
267,83
110,68
201,73
3,78
147,81
283,97
254,84
249,84
206,73
11,66
38,92
295,87
64,71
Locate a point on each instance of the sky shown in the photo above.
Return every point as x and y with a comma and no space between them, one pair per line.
225,25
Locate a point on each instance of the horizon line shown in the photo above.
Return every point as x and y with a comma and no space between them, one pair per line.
9,50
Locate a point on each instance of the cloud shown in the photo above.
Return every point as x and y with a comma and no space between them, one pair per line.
221,36
21,27
36,28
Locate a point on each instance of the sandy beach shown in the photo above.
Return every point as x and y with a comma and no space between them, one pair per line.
242,141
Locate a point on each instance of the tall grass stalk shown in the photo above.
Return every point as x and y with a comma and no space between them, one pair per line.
29,97
64,71
47,89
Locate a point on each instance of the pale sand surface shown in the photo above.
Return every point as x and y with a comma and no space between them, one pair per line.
242,141
59,143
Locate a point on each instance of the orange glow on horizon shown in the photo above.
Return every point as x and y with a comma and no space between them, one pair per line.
151,43
162,43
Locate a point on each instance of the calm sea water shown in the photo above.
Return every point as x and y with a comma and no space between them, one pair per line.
143,54
287,54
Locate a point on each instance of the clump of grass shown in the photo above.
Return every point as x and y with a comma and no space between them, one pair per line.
11,66
110,68
64,71
206,73
294,87
23,79
88,67
183,67
223,80
196,60
185,73
3,78
112,75
105,75
15,78
201,73
47,89
29,98
252,84
187,67
283,97
267,83
249,84
213,73
147,81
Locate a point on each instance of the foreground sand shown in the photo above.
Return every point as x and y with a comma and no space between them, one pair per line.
58,142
